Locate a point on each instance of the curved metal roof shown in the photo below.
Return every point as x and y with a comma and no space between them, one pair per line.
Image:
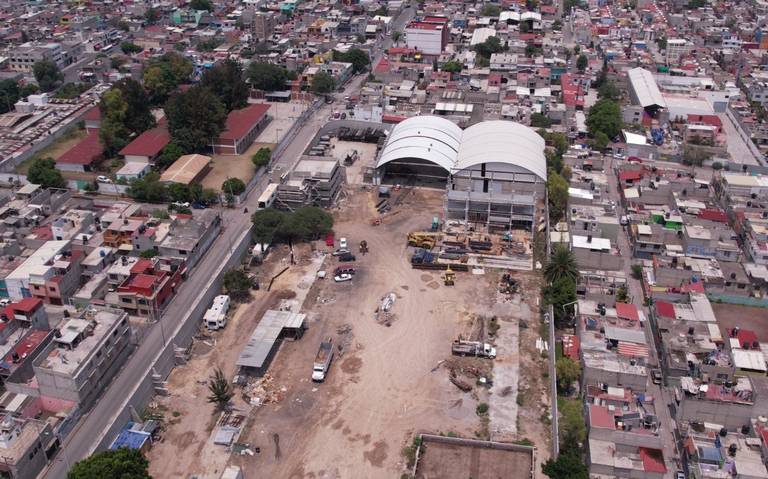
429,138
442,142
502,141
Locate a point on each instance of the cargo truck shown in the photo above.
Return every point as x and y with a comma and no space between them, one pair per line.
473,348
322,360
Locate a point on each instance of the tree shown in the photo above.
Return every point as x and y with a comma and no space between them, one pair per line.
163,75
220,390
139,116
130,48
226,81
195,118
661,42
573,431
558,294
43,172
397,35
490,46
201,5
123,25
322,83
693,156
609,90
265,224
582,63
69,91
267,76
567,466
604,116
148,253
601,141
540,121
557,25
114,111
622,295
262,157
358,58
233,186
171,152
568,371
317,222
490,10
562,264
123,463
178,192
148,189
28,89
637,271
237,284
557,190
452,66
9,95
151,16
47,74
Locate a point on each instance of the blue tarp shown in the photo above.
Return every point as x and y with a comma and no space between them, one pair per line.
130,439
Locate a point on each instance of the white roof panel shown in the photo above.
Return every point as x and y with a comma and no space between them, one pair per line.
645,88
501,141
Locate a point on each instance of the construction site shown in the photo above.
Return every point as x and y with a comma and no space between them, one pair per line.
414,346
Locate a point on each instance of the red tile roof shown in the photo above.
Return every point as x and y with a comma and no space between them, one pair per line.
383,66
627,311
630,175
665,310
26,305
149,143
600,416
92,114
653,460
141,266
85,152
240,122
714,215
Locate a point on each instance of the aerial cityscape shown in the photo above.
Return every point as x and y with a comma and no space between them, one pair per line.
499,239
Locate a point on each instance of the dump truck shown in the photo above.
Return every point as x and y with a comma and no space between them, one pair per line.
422,240
461,347
322,360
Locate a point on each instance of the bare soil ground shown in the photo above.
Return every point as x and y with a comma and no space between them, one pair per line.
55,149
232,166
446,461
745,317
389,380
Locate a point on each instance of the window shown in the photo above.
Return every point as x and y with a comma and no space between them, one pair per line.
126,300
741,285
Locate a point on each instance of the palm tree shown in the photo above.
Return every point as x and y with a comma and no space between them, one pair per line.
221,392
561,264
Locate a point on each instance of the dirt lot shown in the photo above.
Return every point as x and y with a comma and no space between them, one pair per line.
745,317
232,166
446,461
390,380
55,149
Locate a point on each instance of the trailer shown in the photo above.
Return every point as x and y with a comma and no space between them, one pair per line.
461,347
322,361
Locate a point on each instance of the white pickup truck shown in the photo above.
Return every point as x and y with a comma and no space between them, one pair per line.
322,361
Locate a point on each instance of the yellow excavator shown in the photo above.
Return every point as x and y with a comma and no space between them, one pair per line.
422,239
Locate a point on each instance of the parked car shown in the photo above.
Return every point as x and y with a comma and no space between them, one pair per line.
624,220
343,243
103,179
656,376
181,204
4,302
347,257
199,206
340,278
341,252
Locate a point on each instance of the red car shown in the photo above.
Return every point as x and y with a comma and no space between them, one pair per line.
330,240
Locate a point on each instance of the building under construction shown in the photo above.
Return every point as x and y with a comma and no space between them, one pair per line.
316,181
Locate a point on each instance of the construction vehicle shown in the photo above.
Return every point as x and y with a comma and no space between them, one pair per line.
322,360
461,347
422,239
363,247
435,223
449,277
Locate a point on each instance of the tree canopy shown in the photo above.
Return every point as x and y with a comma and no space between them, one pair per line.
165,74
582,62
609,90
267,76
201,5
562,264
123,463
557,190
567,466
148,188
9,95
539,120
490,46
604,116
558,294
306,223
47,74
322,83
233,186
195,118
43,172
237,284
568,371
261,157
227,82
171,152
452,66
358,58
129,47
490,10
124,112
218,386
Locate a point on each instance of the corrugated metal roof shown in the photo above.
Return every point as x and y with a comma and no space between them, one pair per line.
645,88
265,335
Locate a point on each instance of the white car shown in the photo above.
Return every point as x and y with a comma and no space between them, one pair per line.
340,278
343,243
181,204
4,302
103,179
341,252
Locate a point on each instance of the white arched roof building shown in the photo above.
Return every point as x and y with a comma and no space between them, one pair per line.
443,143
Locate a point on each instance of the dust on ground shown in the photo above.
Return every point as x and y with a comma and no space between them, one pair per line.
745,317
448,461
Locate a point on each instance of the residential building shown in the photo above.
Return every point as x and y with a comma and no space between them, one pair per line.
429,36
25,446
149,287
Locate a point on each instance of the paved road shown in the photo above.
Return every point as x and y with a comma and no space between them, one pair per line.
737,145
92,427
635,292
72,72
